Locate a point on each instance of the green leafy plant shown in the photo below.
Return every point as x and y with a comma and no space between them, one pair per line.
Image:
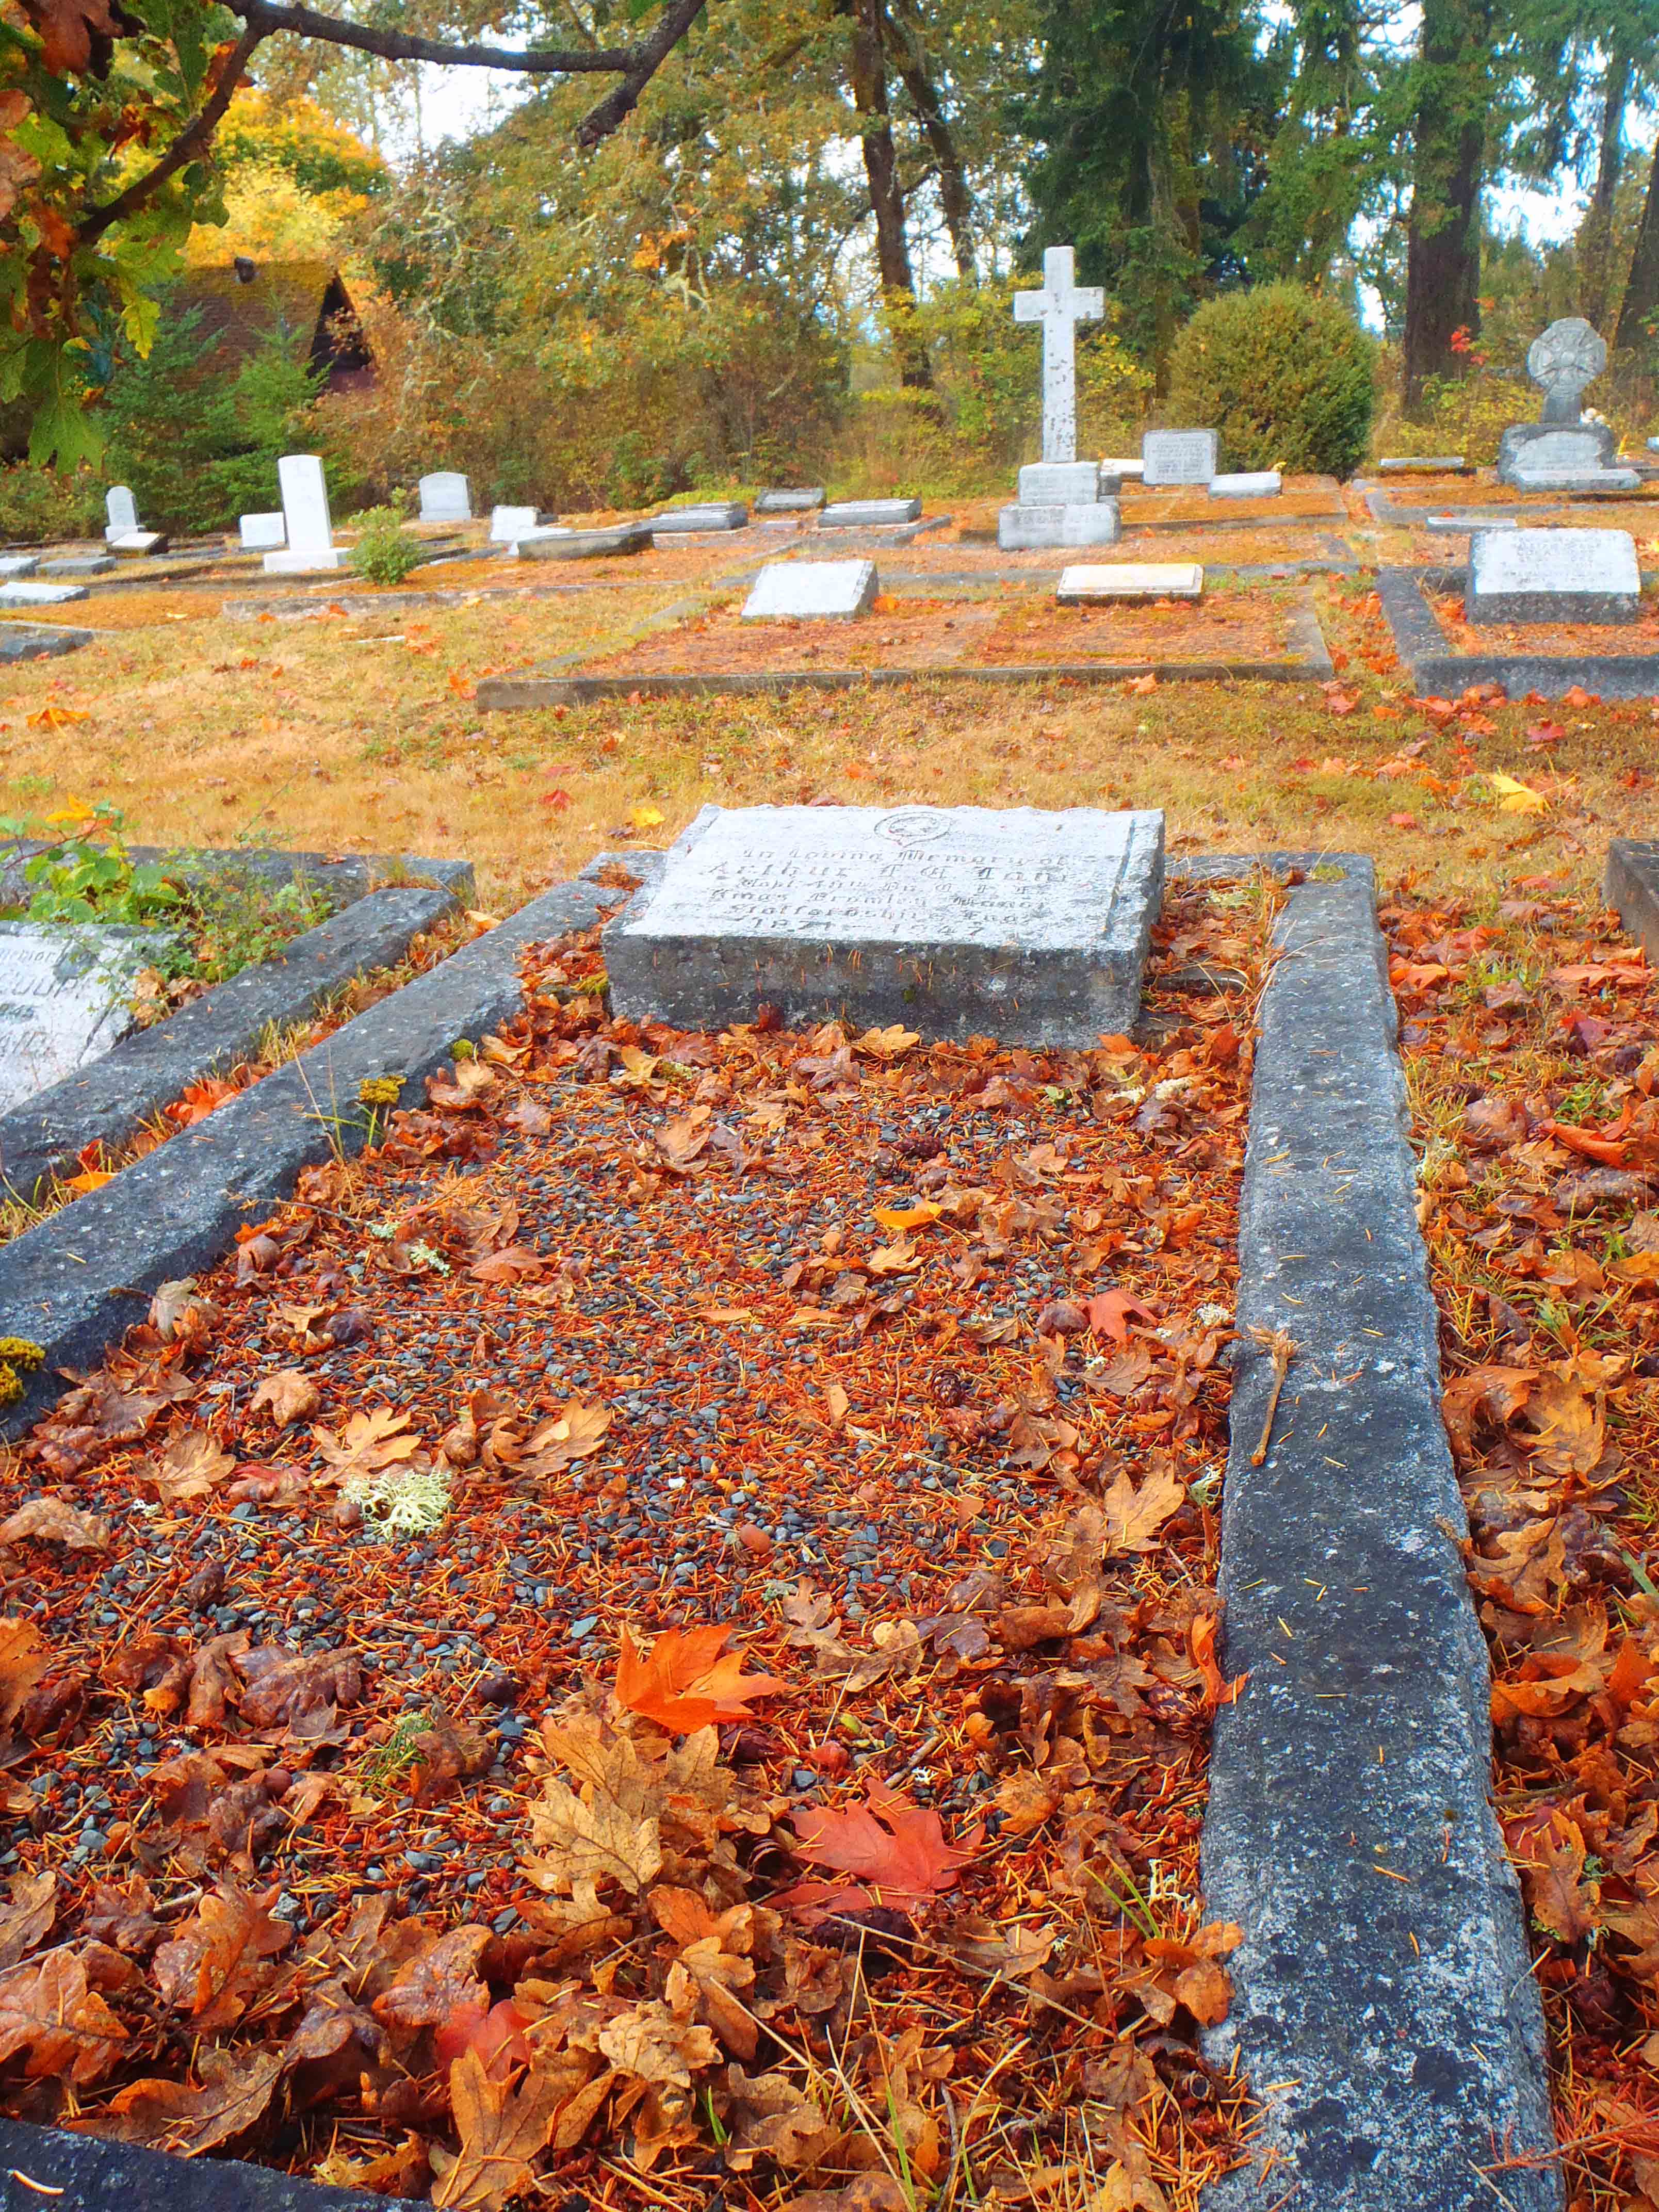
1286,377
385,551
92,875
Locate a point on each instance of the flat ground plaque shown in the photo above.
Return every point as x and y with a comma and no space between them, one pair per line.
63,1000
1553,576
811,590
955,920
1098,583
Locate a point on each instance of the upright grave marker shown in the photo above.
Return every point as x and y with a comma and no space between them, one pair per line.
1059,501
63,1000
259,532
1180,456
956,921
123,531
507,525
1561,451
445,496
305,519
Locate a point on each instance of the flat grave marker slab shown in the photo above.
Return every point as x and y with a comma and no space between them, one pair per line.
713,514
1553,576
78,564
1442,663
1249,483
17,564
868,514
1179,457
811,590
27,591
37,641
956,921
1099,583
1054,483
1425,465
63,999
137,544
782,500
1025,528
1464,525
582,544
260,533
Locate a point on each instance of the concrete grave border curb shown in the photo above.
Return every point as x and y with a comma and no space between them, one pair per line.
513,694
1631,884
75,1282
107,1100
1435,669
59,2168
1383,2003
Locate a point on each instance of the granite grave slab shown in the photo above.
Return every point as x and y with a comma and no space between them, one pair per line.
78,564
17,564
1247,484
31,592
65,994
139,544
1059,483
1025,528
36,641
1179,457
1425,465
1553,576
710,515
1101,583
1631,884
868,514
583,544
259,532
445,496
1031,927
783,501
1464,525
811,590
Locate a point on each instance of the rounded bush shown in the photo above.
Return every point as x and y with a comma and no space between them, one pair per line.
1287,377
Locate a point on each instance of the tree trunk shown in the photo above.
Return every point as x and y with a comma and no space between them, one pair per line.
869,78
1641,287
911,58
1443,247
1596,233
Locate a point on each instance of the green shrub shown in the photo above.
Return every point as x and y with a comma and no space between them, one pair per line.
1284,376
37,504
385,552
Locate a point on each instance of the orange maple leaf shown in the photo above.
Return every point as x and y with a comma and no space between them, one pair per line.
685,1681
896,1850
1109,1313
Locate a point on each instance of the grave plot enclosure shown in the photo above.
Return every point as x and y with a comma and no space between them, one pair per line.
1424,609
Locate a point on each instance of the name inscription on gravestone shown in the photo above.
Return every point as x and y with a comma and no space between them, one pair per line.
1178,457
64,1001
1029,927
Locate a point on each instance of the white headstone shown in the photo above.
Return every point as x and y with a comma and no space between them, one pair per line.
1059,307
445,496
305,519
120,511
133,544
811,590
1097,584
65,993
261,531
1179,457
954,920
509,524
1553,576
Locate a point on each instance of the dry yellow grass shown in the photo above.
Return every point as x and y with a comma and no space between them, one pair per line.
361,735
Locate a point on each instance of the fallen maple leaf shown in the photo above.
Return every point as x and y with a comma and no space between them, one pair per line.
1109,1313
503,2130
367,1443
25,1660
218,1961
890,1043
686,1681
236,2088
48,2010
896,1848
53,1521
288,1396
1133,1518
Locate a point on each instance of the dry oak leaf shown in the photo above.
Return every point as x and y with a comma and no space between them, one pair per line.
236,2088
53,1520
574,1433
25,1661
67,29
515,1263
288,1396
502,2129
284,1686
367,1443
865,2192
890,1043
216,1964
652,2044
1133,1518
896,1851
685,1681
48,2010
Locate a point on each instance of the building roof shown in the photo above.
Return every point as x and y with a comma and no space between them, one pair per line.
239,305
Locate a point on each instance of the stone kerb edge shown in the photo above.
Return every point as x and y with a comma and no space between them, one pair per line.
105,1101
1632,886
1392,2071
39,642
77,1279
1437,670
71,2173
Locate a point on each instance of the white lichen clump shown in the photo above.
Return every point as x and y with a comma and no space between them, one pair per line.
411,1500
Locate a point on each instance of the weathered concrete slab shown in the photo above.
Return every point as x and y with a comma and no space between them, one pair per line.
711,515
1425,465
1631,884
868,514
1098,583
30,592
1553,576
65,998
38,642
78,564
1385,2008
582,544
106,1100
1247,484
782,500
958,920
74,1281
811,590
1027,529
42,2167
17,564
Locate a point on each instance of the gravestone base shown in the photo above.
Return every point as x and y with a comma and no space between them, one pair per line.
286,563
956,921
1577,481
1553,576
1545,448
1029,529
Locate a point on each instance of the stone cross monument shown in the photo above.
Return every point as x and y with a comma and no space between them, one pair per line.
1562,361
1059,307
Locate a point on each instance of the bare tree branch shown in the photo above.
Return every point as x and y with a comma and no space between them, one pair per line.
187,147
403,47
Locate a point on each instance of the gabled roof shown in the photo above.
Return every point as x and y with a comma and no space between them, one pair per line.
242,304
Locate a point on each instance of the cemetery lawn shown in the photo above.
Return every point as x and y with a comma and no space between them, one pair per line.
1531,1034
360,734
366,1673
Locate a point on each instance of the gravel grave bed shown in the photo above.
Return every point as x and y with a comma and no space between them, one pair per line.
373,1762
1531,1038
1635,640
